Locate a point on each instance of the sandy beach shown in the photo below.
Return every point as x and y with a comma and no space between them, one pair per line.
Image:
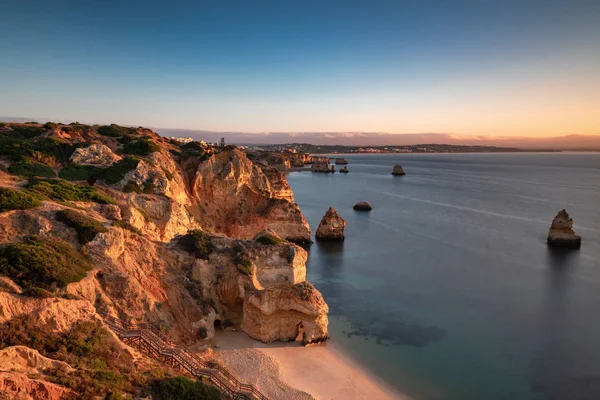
291,371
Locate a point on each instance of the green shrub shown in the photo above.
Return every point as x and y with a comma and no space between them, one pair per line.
148,187
30,168
121,223
16,200
59,149
269,240
116,172
27,132
51,125
181,388
87,228
77,172
197,242
57,189
141,147
38,293
132,187
114,130
43,262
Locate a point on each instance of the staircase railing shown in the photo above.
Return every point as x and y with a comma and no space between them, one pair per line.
148,338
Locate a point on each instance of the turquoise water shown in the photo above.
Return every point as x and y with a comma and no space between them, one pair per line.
447,289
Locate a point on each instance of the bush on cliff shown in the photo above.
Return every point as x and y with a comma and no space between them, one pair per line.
116,172
87,228
197,242
102,367
30,169
131,187
43,262
77,172
57,189
269,240
141,147
121,223
16,200
181,388
114,130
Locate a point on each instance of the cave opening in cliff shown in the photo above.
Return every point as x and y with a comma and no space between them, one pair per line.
218,325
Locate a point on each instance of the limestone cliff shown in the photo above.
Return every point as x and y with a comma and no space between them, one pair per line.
181,236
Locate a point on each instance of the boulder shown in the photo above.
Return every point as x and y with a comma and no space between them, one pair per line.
362,206
561,232
331,227
344,170
398,170
97,155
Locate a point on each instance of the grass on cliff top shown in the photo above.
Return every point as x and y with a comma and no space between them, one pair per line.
87,228
142,147
77,172
114,130
197,242
19,147
41,261
269,240
16,200
60,190
30,169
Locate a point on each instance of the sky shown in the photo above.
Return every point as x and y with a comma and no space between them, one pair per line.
509,68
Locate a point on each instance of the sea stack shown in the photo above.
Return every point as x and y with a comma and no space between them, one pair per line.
344,170
331,227
398,171
561,232
342,161
362,206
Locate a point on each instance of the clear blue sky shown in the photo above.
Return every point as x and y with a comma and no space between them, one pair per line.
468,67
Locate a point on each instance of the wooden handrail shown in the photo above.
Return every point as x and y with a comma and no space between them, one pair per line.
156,344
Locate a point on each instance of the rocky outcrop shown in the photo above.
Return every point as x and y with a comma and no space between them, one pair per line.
342,161
97,155
561,232
331,227
362,206
19,386
29,361
398,171
233,196
344,170
320,166
290,313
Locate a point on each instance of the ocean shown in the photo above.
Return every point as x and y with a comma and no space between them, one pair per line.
447,289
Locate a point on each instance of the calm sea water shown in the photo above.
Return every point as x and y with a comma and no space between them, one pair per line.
447,289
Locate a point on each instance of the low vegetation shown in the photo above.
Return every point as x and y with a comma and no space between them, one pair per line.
121,223
241,259
77,172
181,388
87,228
142,147
16,200
197,242
30,169
269,240
115,130
44,262
116,172
132,187
60,190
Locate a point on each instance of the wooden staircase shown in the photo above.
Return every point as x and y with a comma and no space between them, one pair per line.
150,340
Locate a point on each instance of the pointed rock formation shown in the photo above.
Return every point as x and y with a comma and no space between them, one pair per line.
398,170
331,227
561,232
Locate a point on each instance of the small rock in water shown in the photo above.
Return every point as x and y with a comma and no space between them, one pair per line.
561,232
398,170
362,206
331,227
344,170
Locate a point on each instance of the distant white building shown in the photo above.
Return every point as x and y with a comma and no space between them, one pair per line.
182,139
